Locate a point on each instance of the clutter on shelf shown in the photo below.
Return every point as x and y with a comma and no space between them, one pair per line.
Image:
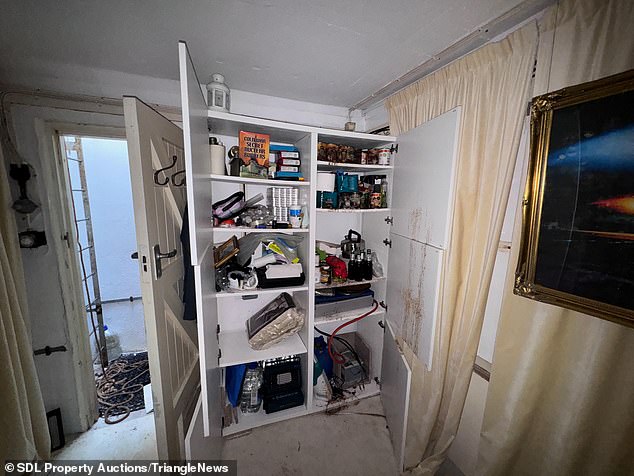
345,154
347,263
259,261
274,384
341,364
282,387
255,157
275,322
285,209
340,190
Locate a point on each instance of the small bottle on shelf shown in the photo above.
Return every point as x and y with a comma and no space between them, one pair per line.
250,399
359,267
353,270
368,264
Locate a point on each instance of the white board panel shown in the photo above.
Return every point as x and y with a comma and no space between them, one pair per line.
413,293
207,322
396,379
197,160
422,195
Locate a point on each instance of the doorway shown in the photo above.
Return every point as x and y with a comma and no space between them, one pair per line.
99,192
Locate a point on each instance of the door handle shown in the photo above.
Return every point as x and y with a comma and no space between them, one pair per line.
158,256
134,255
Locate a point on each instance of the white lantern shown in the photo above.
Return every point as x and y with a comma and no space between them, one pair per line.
218,93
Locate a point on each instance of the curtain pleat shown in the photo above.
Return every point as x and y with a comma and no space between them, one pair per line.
492,86
560,399
23,426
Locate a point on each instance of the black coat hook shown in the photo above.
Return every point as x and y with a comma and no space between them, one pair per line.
181,182
164,169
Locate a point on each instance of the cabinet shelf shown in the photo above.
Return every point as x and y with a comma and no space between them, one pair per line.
245,229
342,317
251,292
256,181
332,166
353,210
235,348
347,283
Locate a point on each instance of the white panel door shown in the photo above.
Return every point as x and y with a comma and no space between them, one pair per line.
413,293
396,378
422,196
155,143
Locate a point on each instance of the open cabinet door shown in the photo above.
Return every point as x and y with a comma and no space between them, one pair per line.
422,207
205,444
396,379
424,171
155,143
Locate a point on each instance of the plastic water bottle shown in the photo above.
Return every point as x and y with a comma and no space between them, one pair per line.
112,344
250,399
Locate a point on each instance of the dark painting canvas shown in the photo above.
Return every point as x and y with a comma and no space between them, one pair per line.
586,233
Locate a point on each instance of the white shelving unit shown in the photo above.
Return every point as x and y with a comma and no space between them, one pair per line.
332,166
244,229
256,181
232,294
347,283
341,317
353,210
234,307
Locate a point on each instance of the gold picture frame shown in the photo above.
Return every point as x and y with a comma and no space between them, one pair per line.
577,244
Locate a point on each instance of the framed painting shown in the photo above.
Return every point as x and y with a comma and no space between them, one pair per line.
577,245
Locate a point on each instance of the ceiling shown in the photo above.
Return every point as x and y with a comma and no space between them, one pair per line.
324,51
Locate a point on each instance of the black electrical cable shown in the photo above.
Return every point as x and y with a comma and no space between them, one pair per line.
349,346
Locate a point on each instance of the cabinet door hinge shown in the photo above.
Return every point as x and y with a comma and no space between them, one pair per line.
389,220
219,355
383,304
394,148
387,242
217,328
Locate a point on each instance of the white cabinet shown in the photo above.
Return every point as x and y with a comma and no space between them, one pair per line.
409,237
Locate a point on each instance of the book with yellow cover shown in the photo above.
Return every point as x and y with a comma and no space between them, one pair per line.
254,147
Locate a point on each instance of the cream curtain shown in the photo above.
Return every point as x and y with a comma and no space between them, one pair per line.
23,426
560,400
492,85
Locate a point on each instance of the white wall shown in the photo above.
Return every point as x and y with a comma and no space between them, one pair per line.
47,313
112,212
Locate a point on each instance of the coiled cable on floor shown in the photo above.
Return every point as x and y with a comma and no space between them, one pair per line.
108,388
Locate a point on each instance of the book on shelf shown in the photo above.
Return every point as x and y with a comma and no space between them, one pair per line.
284,161
280,147
254,147
288,175
286,154
287,168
